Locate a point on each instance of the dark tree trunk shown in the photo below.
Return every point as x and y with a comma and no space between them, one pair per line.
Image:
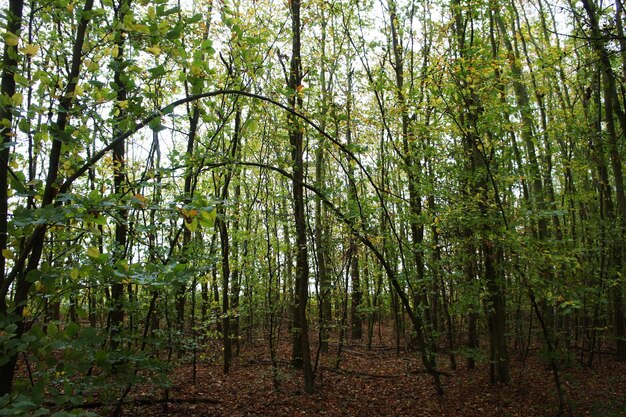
321,229
356,330
9,64
119,175
224,240
301,292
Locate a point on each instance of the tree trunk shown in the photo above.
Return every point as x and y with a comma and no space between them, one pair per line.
224,240
8,87
119,175
356,330
9,66
301,292
321,229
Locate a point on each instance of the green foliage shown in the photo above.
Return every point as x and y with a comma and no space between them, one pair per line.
70,365
21,405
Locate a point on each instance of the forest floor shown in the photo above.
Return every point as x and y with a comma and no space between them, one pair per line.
378,382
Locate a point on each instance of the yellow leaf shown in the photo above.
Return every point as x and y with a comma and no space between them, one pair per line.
74,274
17,99
192,226
142,200
163,26
7,254
30,49
196,70
11,39
145,29
124,264
123,104
154,50
208,215
115,51
93,252
70,7
92,66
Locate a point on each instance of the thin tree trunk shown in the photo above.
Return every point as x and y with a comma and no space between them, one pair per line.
119,175
301,292
8,89
321,229
356,329
224,240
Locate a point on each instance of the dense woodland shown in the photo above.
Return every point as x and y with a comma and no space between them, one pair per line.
182,180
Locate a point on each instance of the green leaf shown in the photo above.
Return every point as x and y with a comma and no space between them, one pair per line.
158,71
52,329
156,125
74,274
72,329
168,109
195,18
20,79
33,276
175,32
160,10
93,252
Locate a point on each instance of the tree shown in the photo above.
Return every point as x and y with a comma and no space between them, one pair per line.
119,65
8,90
479,181
301,348
34,245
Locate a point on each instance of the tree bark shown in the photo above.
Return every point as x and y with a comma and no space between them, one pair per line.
320,212
8,89
222,225
119,174
297,151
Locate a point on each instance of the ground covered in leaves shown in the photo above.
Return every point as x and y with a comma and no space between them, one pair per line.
378,382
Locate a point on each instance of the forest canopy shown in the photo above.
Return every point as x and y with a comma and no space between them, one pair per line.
179,172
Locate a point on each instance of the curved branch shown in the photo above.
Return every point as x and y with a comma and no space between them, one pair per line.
169,108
